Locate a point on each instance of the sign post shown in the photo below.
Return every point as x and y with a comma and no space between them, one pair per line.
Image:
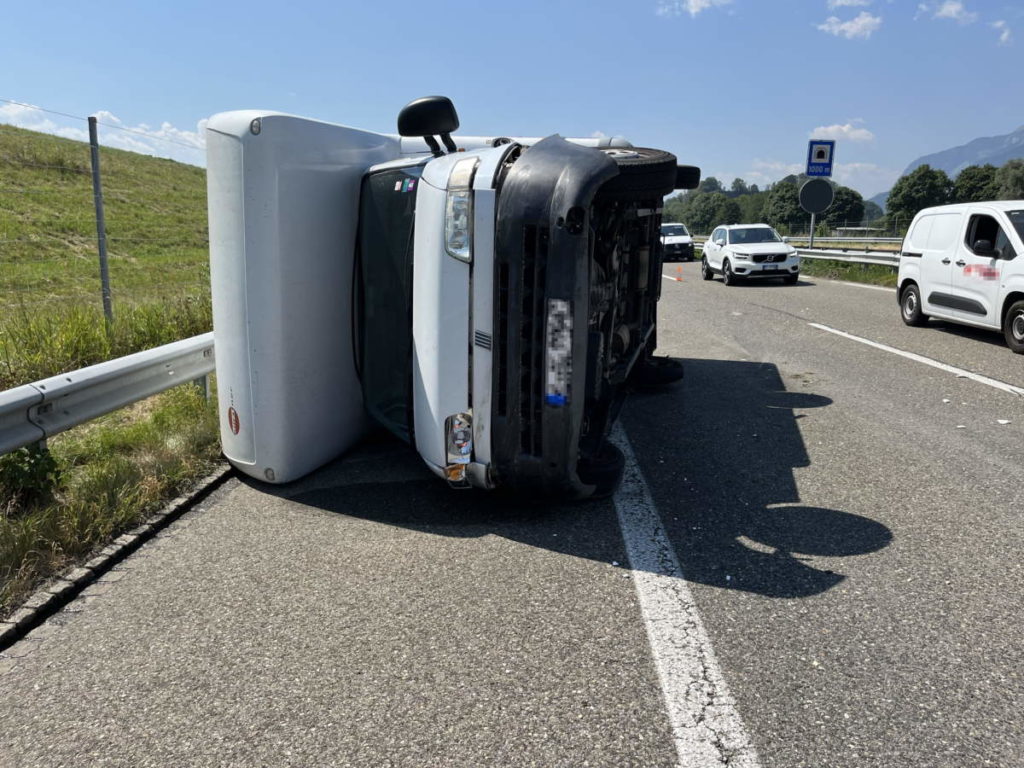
817,194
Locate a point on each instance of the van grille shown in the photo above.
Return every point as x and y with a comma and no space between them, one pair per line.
531,338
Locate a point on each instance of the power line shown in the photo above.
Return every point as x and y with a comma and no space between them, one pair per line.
115,126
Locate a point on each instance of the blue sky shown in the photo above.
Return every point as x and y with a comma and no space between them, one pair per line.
734,86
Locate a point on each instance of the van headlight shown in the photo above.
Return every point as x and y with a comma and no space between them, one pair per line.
458,211
559,352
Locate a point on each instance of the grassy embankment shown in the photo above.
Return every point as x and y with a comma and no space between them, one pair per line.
101,478
874,274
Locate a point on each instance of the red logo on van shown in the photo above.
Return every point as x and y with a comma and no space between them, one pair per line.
233,421
983,271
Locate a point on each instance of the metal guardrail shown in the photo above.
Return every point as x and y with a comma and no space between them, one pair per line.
891,259
34,412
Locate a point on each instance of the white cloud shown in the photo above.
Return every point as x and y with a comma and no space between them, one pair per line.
833,4
165,141
867,178
692,7
847,132
861,26
1005,36
955,10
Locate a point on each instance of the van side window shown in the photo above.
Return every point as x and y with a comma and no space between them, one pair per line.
984,227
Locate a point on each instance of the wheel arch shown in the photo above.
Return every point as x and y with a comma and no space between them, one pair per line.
1009,301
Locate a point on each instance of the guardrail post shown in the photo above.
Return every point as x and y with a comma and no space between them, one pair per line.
203,383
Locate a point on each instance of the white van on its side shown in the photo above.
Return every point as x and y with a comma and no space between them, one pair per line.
965,263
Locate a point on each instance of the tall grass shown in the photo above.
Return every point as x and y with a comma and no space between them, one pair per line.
106,477
874,274
36,344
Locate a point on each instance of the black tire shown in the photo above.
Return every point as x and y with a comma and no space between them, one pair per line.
1013,327
790,279
656,373
728,276
603,470
910,307
642,173
705,269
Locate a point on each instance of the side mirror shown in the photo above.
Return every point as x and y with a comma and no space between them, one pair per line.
428,117
785,239
984,248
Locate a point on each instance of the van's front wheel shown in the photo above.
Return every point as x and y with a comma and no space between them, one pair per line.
910,307
1013,327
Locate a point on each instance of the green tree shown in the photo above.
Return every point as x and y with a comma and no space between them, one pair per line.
976,183
728,212
847,209
739,187
921,188
675,208
752,207
782,209
703,212
1010,181
710,184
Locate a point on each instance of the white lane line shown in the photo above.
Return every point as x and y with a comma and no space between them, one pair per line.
959,372
673,279
860,285
705,723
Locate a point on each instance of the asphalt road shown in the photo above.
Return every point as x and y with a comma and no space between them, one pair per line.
846,522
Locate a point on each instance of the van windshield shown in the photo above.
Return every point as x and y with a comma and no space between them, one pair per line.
674,230
1017,219
384,296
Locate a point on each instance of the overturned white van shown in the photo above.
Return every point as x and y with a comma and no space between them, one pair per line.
485,301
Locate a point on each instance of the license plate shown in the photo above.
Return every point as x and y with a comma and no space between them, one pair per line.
770,268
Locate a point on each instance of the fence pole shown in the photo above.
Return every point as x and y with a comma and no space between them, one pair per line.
101,227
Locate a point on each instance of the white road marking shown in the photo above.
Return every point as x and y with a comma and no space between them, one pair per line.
860,285
705,723
673,279
959,372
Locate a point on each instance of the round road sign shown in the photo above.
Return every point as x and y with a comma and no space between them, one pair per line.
816,195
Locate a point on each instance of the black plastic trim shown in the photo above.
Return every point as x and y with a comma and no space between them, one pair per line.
956,302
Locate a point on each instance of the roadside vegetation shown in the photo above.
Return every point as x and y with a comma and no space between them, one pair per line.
59,505
97,481
874,274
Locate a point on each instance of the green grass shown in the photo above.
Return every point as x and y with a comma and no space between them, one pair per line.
155,214
875,274
98,481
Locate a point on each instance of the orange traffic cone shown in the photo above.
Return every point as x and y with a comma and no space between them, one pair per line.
679,274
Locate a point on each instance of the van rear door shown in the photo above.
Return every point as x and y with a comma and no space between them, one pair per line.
933,240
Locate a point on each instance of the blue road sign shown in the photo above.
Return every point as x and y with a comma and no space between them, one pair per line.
820,153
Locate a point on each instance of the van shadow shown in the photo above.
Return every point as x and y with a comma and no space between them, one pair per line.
719,461
717,452
992,337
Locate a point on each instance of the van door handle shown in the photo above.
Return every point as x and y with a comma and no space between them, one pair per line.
961,263
945,261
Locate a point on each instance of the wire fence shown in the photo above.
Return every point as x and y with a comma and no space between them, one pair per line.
154,214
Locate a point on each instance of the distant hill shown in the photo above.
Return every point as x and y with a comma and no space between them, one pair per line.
995,150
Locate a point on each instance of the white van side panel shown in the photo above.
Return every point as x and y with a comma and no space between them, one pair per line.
283,209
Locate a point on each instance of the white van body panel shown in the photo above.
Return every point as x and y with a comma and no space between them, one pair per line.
283,212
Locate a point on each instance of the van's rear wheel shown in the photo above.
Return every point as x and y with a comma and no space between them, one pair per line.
1013,327
910,307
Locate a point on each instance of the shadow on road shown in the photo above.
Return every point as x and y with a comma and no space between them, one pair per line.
719,457
718,453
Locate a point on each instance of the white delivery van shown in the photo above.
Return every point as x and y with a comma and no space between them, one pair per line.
485,300
965,263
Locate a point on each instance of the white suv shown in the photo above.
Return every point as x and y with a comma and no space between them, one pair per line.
749,250
963,263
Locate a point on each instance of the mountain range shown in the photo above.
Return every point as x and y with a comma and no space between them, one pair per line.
996,150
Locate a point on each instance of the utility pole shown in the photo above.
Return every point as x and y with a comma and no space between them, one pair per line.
101,227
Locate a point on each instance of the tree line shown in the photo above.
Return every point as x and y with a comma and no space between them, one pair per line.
711,204
926,186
